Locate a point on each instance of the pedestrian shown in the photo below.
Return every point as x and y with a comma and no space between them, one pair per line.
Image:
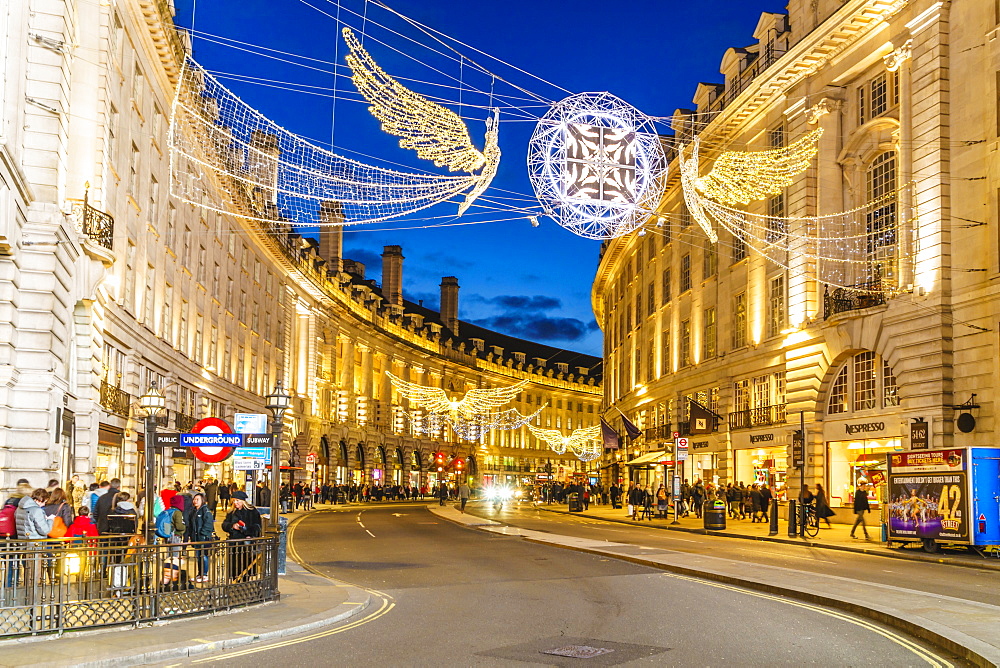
756,501
212,494
75,490
823,510
860,508
170,524
224,494
123,518
241,523
105,504
464,493
697,496
60,510
22,490
766,499
442,494
82,526
32,523
200,530
616,496
264,497
661,501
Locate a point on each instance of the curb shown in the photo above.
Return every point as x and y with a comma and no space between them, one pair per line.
960,644
882,552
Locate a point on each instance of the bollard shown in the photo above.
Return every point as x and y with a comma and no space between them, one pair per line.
793,529
773,529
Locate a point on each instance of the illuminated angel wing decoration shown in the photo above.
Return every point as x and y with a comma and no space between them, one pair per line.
434,132
482,400
580,441
740,177
432,399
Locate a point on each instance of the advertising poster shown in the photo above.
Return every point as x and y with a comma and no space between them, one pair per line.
927,495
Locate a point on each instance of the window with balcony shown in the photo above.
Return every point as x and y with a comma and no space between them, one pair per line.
758,401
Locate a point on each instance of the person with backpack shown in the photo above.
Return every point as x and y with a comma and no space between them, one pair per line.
60,509
106,504
32,523
170,525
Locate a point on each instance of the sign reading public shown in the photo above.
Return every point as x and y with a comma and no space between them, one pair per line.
927,495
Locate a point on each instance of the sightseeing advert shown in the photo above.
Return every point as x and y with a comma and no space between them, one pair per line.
927,495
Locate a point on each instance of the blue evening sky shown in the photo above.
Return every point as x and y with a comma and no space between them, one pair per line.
528,282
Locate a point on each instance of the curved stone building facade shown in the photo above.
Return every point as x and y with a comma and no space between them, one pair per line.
108,284
897,333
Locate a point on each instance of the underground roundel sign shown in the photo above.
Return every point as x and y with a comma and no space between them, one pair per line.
212,454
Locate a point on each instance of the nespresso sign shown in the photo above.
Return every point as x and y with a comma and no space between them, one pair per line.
762,438
864,428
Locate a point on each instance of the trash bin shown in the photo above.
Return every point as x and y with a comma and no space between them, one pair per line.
714,515
575,504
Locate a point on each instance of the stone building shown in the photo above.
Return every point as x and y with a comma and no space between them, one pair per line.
108,284
899,329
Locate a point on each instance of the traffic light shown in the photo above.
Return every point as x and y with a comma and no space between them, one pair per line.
439,461
459,465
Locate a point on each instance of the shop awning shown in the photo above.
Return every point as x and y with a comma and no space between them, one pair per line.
648,458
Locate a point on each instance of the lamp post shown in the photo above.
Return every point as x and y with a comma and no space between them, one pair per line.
278,403
153,403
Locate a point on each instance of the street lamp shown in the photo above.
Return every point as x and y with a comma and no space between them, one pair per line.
278,403
153,403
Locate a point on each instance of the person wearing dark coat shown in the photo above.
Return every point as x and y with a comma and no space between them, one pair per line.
861,507
616,496
212,494
200,529
756,502
105,504
242,523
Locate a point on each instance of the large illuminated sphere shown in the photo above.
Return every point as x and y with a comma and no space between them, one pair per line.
597,165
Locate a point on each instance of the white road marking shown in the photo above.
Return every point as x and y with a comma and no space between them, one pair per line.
369,533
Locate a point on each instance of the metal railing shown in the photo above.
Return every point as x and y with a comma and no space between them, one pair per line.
97,225
860,296
53,586
115,399
757,417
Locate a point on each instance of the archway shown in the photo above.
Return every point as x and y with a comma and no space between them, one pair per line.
397,466
359,464
378,468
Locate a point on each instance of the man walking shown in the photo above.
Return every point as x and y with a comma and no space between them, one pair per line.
860,508
463,494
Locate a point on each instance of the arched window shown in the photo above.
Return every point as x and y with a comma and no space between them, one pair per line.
882,224
864,382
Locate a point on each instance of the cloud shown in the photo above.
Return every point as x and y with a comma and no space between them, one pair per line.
537,328
533,303
372,261
430,300
441,259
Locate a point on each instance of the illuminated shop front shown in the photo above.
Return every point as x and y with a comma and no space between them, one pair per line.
706,453
858,451
761,457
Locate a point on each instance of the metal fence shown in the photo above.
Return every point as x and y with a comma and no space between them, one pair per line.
58,585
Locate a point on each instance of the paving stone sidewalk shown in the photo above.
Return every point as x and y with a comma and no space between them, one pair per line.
967,628
308,602
835,538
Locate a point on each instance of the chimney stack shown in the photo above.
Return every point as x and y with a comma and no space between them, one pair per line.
392,274
331,234
449,303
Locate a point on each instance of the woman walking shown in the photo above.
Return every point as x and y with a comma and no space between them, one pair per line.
823,510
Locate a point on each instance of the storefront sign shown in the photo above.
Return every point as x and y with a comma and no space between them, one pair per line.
759,439
180,453
946,461
919,436
798,449
879,427
703,444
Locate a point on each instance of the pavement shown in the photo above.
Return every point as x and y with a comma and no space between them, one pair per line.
308,602
835,538
968,629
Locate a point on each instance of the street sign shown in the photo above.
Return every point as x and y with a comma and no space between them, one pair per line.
682,455
310,458
167,440
263,454
258,440
211,440
682,443
676,434
241,464
250,423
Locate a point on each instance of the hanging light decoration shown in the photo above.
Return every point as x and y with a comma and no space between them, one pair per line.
471,417
586,442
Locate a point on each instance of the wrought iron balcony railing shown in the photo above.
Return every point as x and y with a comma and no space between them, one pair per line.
115,399
97,225
757,417
860,296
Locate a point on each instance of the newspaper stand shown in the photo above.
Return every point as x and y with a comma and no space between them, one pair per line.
949,496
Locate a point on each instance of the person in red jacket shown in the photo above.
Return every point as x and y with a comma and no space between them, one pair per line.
82,526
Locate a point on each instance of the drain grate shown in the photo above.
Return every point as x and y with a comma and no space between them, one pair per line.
578,651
